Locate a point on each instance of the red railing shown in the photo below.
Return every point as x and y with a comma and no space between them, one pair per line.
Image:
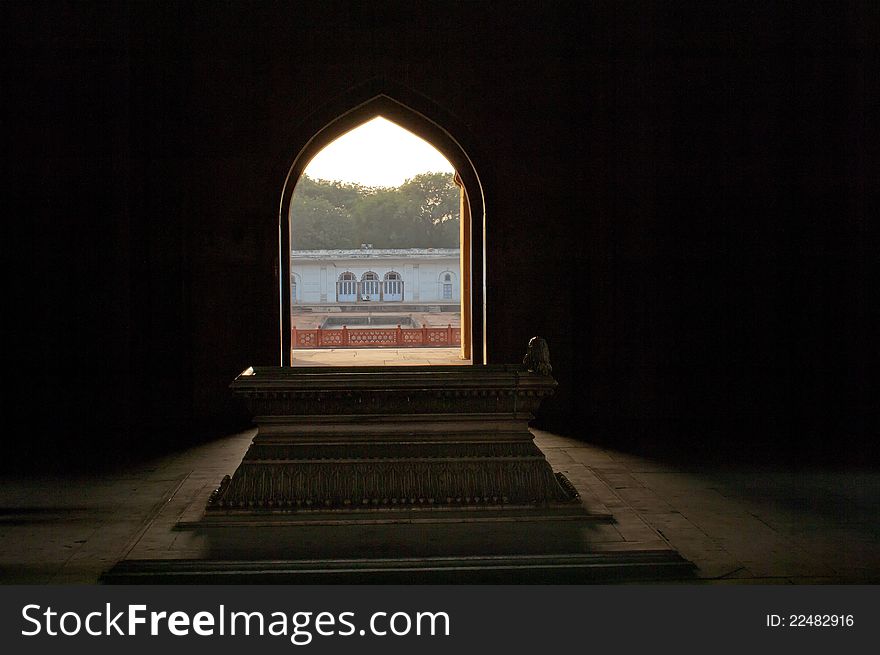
425,337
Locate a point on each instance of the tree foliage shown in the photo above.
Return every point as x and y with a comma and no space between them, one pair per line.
423,212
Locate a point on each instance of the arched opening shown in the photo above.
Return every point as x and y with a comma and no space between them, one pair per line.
371,290
347,288
447,286
393,284
392,287
295,288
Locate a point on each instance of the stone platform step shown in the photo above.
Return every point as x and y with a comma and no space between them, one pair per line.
559,514
599,567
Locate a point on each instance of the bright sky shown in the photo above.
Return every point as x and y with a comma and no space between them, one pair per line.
377,153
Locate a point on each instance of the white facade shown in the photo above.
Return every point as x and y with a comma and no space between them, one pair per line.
352,277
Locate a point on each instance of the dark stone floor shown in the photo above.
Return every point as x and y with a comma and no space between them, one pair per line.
735,524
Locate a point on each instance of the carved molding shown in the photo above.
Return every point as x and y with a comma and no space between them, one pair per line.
304,486
391,451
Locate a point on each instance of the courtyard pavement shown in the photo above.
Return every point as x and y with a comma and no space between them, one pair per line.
377,357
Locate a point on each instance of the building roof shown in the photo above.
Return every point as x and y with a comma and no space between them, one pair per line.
377,253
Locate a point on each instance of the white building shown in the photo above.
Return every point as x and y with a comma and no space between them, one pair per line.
344,278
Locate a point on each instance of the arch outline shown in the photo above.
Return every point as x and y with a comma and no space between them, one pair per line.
413,112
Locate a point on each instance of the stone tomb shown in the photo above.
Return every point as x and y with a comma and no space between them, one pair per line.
422,443
416,474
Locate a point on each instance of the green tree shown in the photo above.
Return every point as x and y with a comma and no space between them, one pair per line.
318,225
434,201
339,194
421,213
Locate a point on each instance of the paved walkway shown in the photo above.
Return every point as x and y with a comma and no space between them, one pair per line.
736,525
378,357
313,320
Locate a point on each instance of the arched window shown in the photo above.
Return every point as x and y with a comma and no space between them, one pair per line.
294,289
447,286
392,287
346,288
371,289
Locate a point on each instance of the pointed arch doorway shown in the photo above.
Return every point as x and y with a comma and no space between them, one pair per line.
470,284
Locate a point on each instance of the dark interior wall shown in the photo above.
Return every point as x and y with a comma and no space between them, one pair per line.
680,201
